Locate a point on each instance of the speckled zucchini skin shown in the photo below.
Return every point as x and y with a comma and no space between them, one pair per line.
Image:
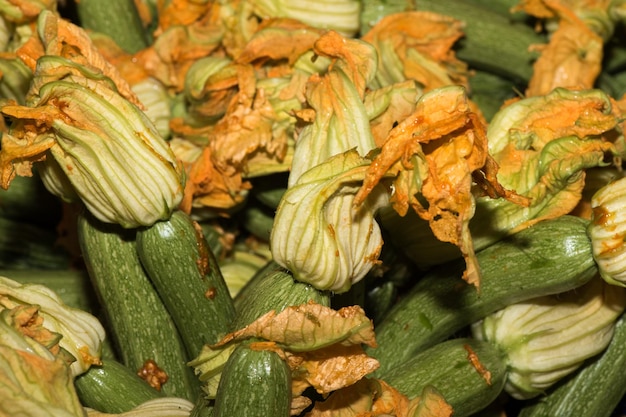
138,322
254,383
468,373
180,264
550,257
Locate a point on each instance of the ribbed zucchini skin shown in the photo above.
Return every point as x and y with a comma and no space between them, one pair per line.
447,367
140,325
254,383
186,275
113,388
595,390
273,288
550,257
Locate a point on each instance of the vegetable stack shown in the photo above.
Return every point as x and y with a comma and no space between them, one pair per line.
287,208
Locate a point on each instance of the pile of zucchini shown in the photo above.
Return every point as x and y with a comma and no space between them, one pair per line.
162,296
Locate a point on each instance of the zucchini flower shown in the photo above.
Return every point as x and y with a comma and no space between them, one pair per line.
158,407
342,16
549,337
607,231
319,235
94,142
35,379
543,146
154,96
81,333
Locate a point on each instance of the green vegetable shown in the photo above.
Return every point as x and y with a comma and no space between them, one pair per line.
118,19
139,323
71,285
24,245
254,383
28,201
551,257
273,288
186,275
492,42
113,388
468,373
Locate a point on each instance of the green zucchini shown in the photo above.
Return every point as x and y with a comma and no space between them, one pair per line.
186,275
113,388
594,390
118,19
72,285
27,200
24,246
258,220
492,42
550,257
140,325
273,288
254,383
457,369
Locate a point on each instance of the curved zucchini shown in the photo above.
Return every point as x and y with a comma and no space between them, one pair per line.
186,275
140,326
113,388
254,383
469,373
550,257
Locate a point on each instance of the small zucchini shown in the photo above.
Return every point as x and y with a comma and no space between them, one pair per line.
140,325
594,390
186,275
469,373
113,388
254,383
550,257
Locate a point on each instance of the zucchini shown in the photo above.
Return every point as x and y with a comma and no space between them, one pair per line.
186,275
594,390
71,285
550,257
27,200
113,388
273,288
492,42
457,369
254,383
118,19
24,245
139,324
